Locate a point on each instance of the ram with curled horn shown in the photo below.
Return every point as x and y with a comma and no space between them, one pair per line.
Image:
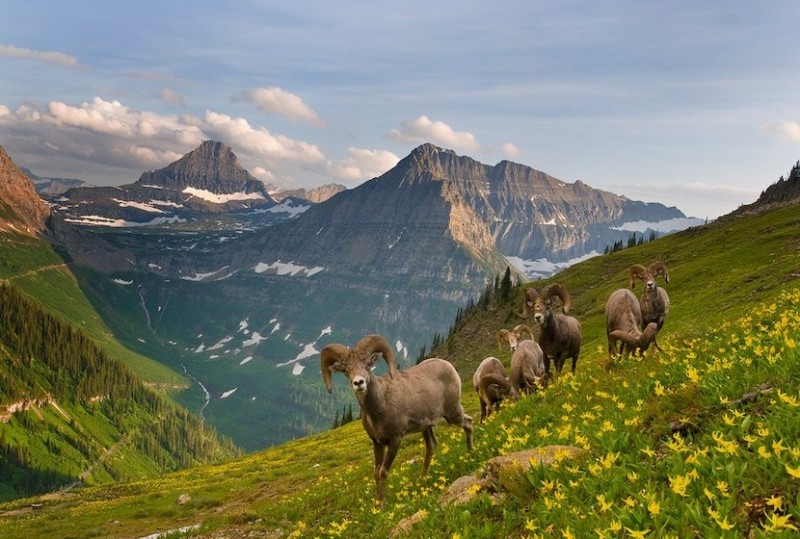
560,335
654,302
398,403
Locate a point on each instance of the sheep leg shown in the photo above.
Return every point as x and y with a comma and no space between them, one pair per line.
574,362
430,444
379,451
382,471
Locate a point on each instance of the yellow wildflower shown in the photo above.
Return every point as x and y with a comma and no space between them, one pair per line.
794,472
778,447
788,399
604,505
630,502
763,452
679,484
722,487
654,507
633,477
637,534
776,502
778,522
724,524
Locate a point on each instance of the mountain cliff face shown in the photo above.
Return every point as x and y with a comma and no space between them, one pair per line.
207,180
21,208
315,195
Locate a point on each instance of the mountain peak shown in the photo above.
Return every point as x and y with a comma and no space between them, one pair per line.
20,206
212,166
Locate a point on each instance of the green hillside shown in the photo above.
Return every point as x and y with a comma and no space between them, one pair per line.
70,412
731,469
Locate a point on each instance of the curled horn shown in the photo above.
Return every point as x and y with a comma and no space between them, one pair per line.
519,329
556,289
376,343
329,355
527,303
659,268
502,336
637,271
489,379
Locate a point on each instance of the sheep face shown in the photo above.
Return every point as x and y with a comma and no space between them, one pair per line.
511,337
356,363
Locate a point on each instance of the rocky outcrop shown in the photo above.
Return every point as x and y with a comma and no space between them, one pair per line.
21,209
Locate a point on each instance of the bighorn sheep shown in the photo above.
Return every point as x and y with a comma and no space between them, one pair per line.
527,367
398,403
636,342
491,384
655,300
513,336
560,335
623,314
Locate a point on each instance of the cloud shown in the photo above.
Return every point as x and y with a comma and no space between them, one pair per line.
510,150
124,141
362,164
423,130
51,57
274,100
787,130
171,97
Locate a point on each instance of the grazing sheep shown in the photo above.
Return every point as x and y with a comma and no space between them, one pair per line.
655,300
636,342
527,367
491,384
560,335
623,314
398,403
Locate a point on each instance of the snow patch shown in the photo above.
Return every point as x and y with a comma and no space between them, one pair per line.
297,370
287,268
204,276
287,207
98,220
121,281
246,360
222,199
229,393
255,338
222,342
138,205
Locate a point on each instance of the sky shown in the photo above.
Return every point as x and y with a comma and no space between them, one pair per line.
691,104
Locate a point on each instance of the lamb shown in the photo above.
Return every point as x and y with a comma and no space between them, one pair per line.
623,314
560,336
527,367
491,384
398,403
655,300
636,341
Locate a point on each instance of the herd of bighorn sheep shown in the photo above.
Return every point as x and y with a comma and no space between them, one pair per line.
416,399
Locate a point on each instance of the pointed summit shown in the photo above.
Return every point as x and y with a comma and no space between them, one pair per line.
20,206
212,167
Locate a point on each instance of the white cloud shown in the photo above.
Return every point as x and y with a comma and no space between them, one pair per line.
107,133
423,130
274,100
363,164
510,150
171,97
52,57
787,130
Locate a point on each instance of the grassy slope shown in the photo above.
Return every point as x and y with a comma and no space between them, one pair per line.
733,476
32,266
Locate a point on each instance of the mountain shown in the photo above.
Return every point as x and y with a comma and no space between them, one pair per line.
52,187
698,440
244,312
316,195
207,181
20,207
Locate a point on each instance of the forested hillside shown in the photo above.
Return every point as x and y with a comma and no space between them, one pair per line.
66,407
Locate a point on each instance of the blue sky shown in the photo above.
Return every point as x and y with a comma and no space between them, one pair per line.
692,104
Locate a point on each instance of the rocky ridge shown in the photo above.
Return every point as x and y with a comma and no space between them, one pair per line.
21,208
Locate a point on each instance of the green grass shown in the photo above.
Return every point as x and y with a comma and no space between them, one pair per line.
734,325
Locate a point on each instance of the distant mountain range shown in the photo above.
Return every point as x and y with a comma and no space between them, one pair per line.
240,292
